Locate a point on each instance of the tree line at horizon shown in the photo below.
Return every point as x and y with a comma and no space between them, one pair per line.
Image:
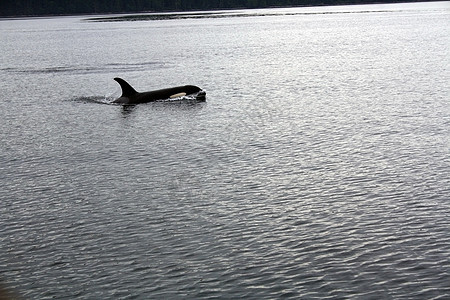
70,7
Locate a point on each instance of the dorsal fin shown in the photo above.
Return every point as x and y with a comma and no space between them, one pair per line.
127,90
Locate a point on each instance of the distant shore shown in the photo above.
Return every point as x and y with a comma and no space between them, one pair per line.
16,10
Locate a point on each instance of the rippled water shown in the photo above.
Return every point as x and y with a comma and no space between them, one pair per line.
318,167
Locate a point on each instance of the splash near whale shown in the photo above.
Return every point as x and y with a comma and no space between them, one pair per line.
131,97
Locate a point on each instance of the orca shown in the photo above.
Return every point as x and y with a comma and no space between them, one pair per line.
130,96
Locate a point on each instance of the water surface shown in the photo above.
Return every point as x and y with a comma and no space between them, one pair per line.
318,167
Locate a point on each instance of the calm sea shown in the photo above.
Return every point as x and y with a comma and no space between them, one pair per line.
318,167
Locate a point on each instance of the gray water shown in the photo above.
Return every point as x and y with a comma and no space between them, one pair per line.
319,166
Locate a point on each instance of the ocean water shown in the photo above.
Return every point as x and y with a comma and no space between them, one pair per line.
317,168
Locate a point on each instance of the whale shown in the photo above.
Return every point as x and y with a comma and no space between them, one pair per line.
131,97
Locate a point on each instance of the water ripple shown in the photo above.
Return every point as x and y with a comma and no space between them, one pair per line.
334,185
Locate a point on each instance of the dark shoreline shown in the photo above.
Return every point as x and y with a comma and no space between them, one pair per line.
344,3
